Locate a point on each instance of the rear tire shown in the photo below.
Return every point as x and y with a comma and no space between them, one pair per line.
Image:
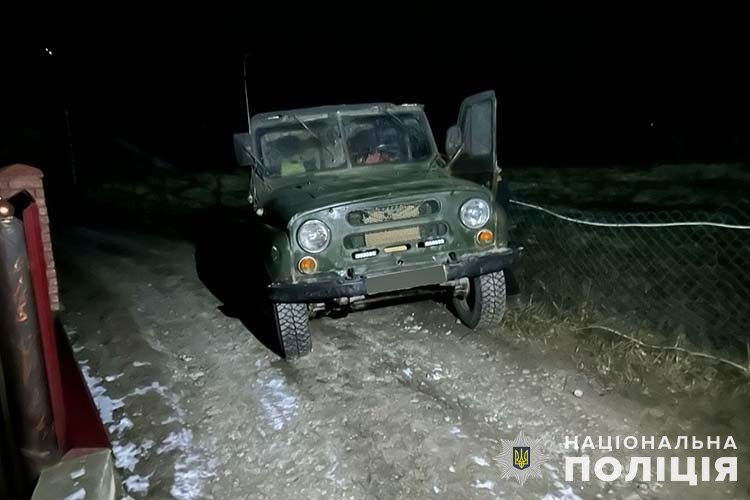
293,329
484,304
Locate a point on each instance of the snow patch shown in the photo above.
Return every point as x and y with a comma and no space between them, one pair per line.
189,477
191,470
104,403
564,492
437,373
407,372
137,484
483,485
155,387
480,461
278,404
456,431
112,378
124,424
182,439
128,455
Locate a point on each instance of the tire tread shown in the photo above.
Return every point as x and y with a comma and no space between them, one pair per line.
493,299
293,324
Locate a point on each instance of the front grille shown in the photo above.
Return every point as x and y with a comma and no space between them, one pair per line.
392,236
390,213
378,239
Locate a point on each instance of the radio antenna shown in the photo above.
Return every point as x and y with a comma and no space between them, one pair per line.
244,84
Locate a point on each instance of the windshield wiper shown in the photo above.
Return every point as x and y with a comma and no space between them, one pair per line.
452,159
315,135
438,158
395,117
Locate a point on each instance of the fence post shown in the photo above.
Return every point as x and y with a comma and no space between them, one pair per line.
21,348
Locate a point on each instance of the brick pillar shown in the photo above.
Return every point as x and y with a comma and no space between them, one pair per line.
17,178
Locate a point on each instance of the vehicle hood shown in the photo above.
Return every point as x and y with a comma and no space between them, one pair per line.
325,191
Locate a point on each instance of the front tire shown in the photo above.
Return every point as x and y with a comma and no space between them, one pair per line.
293,329
484,304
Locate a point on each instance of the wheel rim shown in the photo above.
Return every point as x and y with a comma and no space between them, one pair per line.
469,302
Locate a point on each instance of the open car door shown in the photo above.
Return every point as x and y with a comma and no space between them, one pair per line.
472,142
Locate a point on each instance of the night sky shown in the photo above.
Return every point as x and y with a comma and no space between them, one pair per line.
573,90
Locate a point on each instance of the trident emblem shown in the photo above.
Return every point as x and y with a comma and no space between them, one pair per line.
521,457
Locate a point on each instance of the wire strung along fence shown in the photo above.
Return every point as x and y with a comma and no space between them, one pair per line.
673,276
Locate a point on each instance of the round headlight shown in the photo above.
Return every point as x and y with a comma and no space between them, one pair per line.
475,213
313,236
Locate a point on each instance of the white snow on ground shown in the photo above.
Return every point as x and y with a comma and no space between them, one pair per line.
456,431
483,485
124,424
190,474
480,461
564,492
191,469
112,378
437,373
155,387
181,439
279,405
137,484
106,405
128,455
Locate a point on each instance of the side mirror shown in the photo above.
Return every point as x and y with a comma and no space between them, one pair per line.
453,141
242,147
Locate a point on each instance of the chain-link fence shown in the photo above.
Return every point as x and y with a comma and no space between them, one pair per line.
671,275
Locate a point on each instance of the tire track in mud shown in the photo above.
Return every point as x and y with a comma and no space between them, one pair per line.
492,395
385,406
465,428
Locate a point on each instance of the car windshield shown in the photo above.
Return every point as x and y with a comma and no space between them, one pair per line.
388,138
300,145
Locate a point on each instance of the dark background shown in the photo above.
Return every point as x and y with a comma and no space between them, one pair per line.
574,90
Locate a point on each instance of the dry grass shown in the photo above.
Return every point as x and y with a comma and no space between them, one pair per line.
635,357
670,306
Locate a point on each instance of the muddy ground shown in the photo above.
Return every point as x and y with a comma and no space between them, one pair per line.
397,402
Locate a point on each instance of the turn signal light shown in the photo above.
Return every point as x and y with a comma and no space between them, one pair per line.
485,236
307,265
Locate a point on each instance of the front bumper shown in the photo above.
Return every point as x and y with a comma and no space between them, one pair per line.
357,285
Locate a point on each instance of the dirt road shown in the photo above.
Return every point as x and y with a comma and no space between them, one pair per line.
398,402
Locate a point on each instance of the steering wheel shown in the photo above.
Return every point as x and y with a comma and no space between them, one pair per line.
387,148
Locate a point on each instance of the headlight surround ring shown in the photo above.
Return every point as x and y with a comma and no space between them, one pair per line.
474,213
313,236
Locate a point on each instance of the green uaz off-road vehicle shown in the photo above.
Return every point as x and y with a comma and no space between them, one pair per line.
355,203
